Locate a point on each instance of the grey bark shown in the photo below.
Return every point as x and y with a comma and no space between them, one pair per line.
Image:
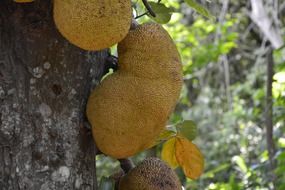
265,24
44,85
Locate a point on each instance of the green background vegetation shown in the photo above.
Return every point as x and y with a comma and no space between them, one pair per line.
225,66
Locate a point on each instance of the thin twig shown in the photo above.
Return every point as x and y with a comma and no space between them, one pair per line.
141,15
148,7
226,69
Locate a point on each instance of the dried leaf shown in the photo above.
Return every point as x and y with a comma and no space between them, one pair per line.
189,158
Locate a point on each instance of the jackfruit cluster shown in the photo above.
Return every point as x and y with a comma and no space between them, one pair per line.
130,108
93,24
151,174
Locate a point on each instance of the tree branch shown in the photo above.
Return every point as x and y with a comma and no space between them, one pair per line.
268,116
262,20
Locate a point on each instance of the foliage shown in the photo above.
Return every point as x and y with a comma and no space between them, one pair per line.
178,150
224,67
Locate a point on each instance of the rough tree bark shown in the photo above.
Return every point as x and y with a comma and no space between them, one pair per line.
44,85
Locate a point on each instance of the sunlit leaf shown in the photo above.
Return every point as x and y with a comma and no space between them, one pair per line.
241,163
225,47
187,129
163,13
281,142
279,77
189,158
264,156
211,173
168,153
199,8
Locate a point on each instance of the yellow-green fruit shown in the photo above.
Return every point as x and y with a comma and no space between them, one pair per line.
93,24
131,107
151,174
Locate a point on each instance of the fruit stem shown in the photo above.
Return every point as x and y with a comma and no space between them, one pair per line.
126,164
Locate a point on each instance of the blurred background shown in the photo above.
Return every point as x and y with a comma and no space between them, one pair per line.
234,90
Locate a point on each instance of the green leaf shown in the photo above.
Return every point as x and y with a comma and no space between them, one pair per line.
280,170
166,134
241,163
106,183
211,173
188,129
163,13
199,8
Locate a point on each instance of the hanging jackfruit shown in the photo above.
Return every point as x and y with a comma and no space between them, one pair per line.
151,174
93,24
131,107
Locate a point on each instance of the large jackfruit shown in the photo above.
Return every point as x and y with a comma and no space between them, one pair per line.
93,24
131,107
151,174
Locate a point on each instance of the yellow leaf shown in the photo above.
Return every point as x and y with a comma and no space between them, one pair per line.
189,158
168,153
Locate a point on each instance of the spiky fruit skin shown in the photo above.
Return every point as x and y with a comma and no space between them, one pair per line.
93,24
151,174
131,107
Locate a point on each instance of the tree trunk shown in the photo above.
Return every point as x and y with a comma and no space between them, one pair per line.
269,116
44,85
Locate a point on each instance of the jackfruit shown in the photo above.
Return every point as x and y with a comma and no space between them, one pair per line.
130,108
93,24
151,174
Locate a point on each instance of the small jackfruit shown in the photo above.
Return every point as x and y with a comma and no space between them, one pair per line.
151,174
93,24
131,107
